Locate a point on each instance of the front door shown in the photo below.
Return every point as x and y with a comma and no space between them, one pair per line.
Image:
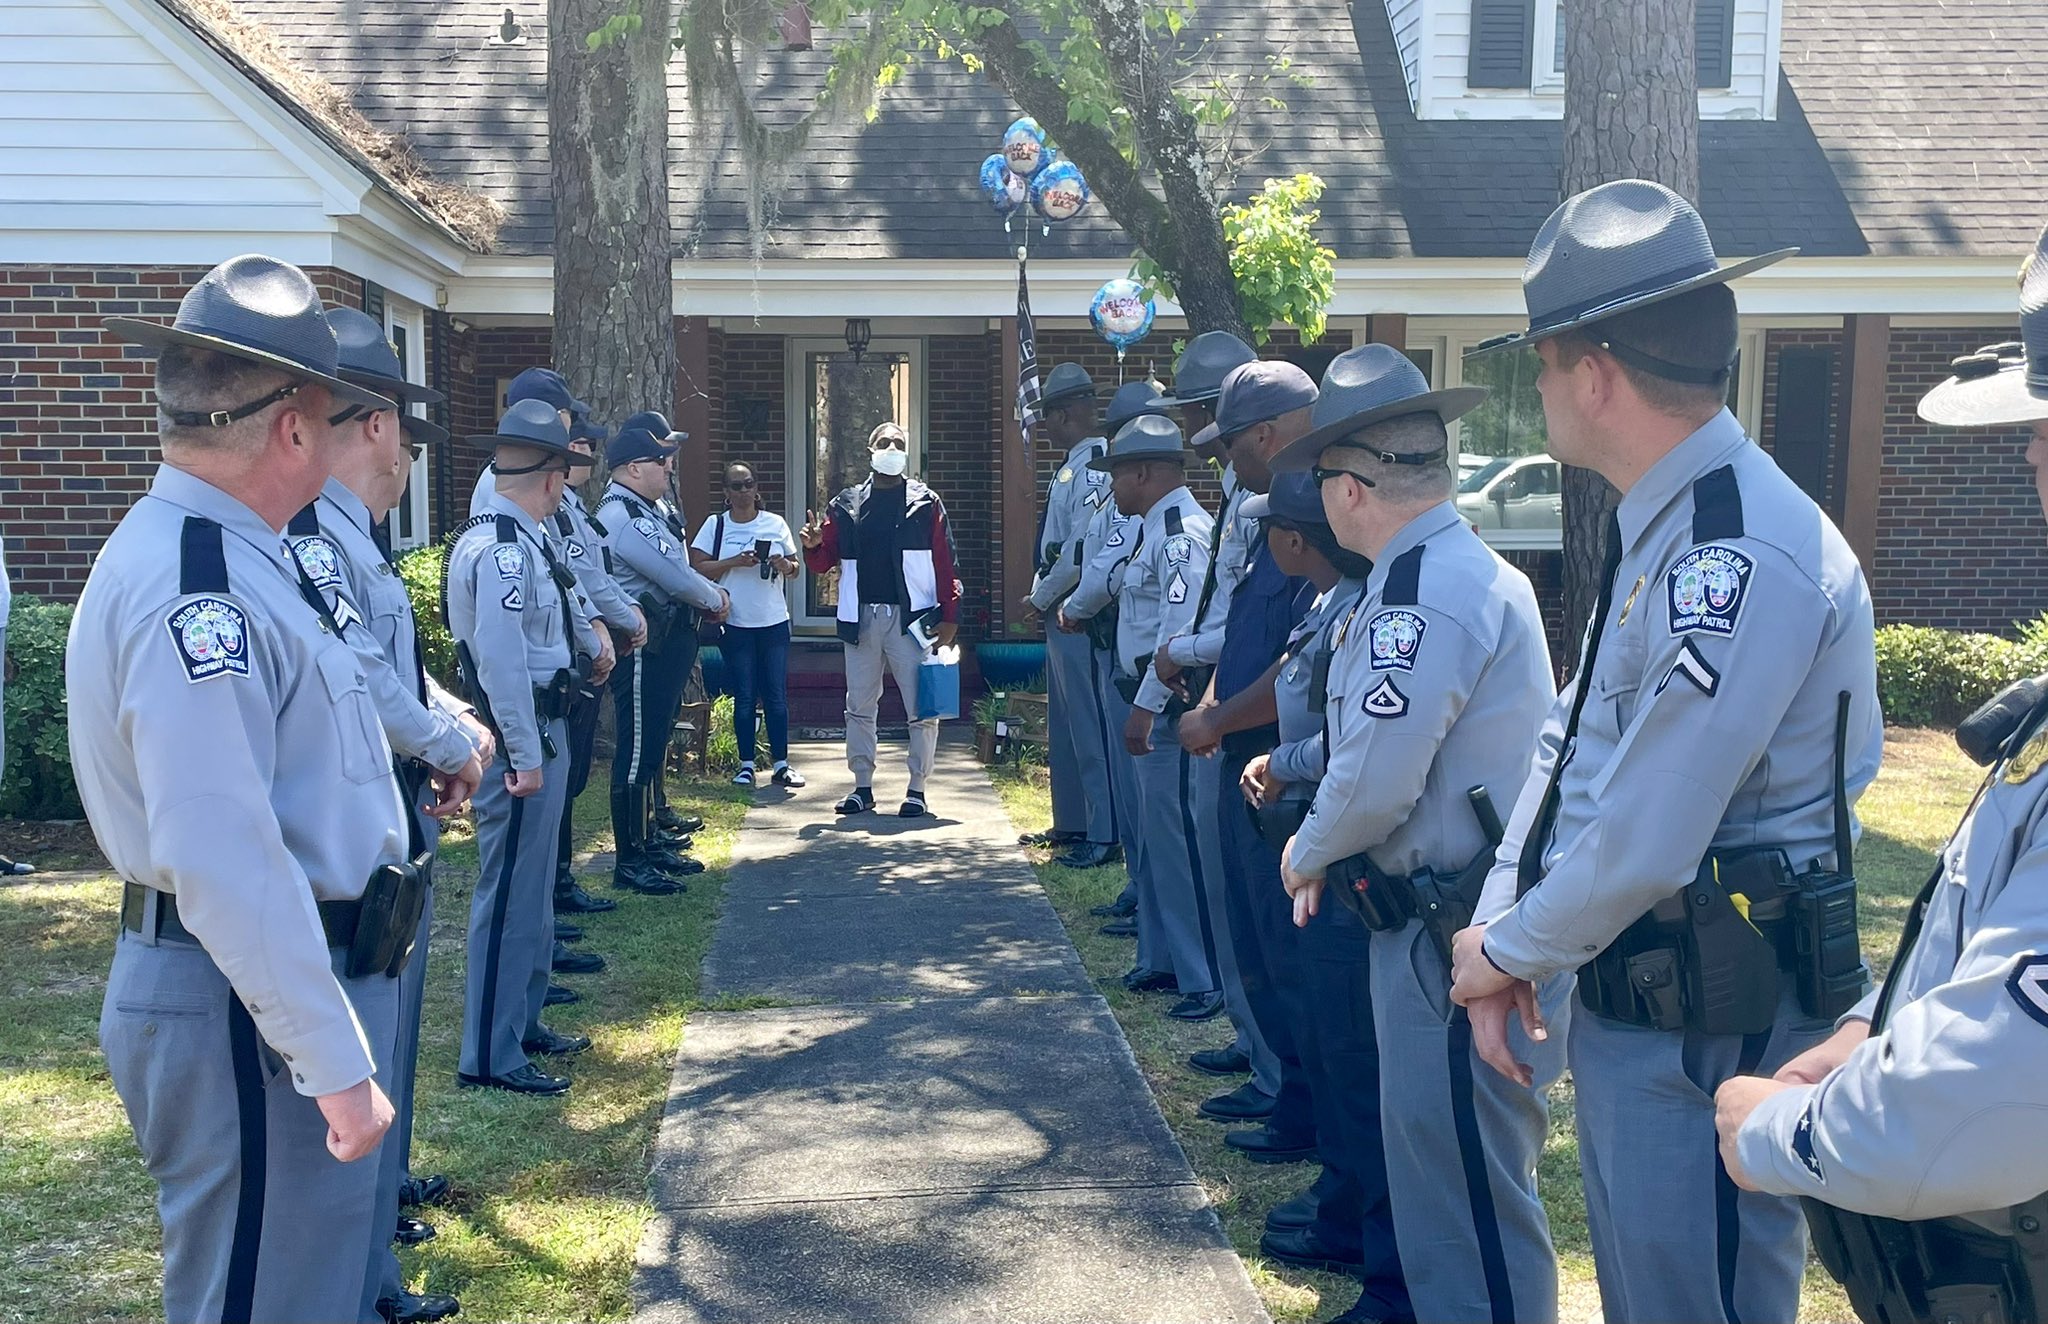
841,402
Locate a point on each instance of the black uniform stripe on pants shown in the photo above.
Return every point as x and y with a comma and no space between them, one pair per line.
1727,1209
1187,823
1493,1260
1102,734
487,1012
238,1302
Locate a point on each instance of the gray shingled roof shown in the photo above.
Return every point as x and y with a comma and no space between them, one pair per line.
1864,81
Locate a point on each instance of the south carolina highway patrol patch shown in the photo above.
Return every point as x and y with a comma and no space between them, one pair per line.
320,561
1396,638
212,636
511,559
1180,549
1707,587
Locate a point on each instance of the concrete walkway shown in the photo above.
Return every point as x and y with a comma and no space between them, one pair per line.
948,1128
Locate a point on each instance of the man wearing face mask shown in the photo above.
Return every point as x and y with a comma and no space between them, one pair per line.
893,548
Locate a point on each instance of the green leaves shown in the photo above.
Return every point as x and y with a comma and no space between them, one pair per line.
617,28
1283,274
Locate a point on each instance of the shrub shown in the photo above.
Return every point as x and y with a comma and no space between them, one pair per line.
1929,677
38,782
421,571
721,745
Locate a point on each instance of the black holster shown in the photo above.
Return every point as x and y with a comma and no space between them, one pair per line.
662,617
1101,628
388,918
1937,1270
1278,821
1127,687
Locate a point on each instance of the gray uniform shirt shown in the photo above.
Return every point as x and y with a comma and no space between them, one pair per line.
1105,550
1739,613
227,750
1299,758
1438,684
504,603
1202,645
1072,499
1939,1114
370,603
649,555
1161,587
584,548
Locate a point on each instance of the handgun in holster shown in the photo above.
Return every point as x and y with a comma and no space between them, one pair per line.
1937,1270
660,614
388,919
1696,960
1280,819
1101,628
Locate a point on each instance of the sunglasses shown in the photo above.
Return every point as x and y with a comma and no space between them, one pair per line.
1322,475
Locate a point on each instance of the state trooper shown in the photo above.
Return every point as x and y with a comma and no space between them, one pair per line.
1104,550
1083,810
1439,681
1912,1133
521,645
651,559
1667,867
1157,597
340,540
265,899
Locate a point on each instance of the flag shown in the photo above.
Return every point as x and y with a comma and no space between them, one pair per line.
1027,362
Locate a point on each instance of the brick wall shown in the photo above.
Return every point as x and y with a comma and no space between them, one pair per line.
961,453
751,417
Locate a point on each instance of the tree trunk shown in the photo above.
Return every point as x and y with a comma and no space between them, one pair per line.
1631,111
608,140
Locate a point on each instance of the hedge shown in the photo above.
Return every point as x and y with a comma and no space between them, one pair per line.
38,781
1931,677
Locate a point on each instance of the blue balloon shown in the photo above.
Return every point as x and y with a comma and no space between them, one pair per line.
1059,193
1121,314
1005,192
1024,148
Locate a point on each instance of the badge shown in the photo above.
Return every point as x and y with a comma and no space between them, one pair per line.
1630,605
1066,475
2032,756
318,558
1693,667
1707,586
1396,638
1385,699
1177,591
1802,1144
2029,986
212,636
1180,549
511,559
512,601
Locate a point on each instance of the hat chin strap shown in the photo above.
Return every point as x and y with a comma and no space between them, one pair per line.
1656,367
220,418
504,472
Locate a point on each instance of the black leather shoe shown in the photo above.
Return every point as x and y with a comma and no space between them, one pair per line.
1150,981
1089,855
1119,928
1197,1007
675,841
672,865
567,962
568,932
418,1307
1298,1212
551,1043
668,820
1050,838
1262,1146
644,881
413,1231
1246,1103
1117,909
529,1079
1303,1249
1364,1312
416,1192
1220,1062
560,997
573,900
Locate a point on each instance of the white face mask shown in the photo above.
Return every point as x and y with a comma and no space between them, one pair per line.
889,463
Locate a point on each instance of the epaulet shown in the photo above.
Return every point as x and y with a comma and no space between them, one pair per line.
508,529
1403,585
563,524
598,525
1172,520
307,522
202,558
1716,506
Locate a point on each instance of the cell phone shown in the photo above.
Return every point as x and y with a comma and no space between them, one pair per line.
924,628
763,549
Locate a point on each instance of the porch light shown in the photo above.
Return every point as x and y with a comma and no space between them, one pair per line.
509,32
858,335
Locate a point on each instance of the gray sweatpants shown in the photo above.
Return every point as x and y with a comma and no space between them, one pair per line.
1673,1238
884,643
1462,1142
260,1221
512,915
1077,748
1170,803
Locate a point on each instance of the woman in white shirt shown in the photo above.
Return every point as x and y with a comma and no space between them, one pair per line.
748,552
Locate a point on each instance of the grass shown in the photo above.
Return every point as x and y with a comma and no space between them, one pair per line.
550,1195
1906,815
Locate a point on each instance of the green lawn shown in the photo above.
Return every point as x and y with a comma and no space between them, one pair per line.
1906,815
550,1197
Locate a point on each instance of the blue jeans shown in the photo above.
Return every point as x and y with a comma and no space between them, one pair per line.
757,667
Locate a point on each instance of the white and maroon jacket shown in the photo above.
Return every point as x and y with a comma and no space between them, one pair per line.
924,541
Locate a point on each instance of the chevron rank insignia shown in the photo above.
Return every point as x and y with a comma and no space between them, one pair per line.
2029,986
1385,699
1693,667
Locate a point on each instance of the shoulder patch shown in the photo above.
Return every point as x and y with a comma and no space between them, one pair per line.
1385,699
646,527
1693,667
320,561
511,559
1802,1144
513,600
212,638
2028,985
1179,549
1707,587
1396,638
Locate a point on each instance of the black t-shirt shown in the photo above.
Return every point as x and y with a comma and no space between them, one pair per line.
880,563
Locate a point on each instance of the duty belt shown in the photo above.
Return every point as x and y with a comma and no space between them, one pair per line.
160,921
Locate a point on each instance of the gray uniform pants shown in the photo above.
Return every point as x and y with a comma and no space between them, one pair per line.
260,1222
1673,1238
396,1077
512,916
1207,776
1462,1142
1123,787
1170,804
1079,755
884,643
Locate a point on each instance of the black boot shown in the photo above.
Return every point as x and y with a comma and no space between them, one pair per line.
571,899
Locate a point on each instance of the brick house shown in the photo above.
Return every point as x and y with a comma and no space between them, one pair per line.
1882,137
